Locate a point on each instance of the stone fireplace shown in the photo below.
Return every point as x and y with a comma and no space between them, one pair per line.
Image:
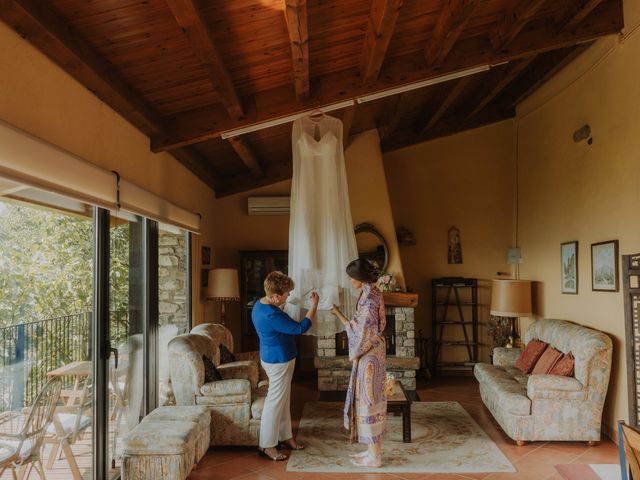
332,360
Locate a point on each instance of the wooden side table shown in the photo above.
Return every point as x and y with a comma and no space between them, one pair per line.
79,370
400,403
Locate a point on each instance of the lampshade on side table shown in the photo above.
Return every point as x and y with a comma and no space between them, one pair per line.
223,286
511,299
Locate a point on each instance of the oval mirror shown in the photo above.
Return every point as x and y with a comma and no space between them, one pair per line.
371,246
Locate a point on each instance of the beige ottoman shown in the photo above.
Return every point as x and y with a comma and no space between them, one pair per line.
159,450
201,416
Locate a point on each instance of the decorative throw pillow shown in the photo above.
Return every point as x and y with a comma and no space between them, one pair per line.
530,355
564,366
226,356
211,373
547,361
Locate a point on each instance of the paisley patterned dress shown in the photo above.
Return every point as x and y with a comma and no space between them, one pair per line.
365,410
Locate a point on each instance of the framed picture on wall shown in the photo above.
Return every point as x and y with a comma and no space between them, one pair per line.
604,266
204,278
569,267
206,255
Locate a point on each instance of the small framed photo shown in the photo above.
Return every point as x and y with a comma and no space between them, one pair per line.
569,267
604,266
206,255
204,278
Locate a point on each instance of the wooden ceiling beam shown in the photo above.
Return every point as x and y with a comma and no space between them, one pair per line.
454,17
37,24
209,122
295,14
502,78
242,183
541,69
247,155
576,14
196,164
347,122
33,20
188,16
391,118
448,126
514,21
454,93
382,23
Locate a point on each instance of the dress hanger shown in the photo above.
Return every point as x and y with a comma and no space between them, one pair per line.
316,115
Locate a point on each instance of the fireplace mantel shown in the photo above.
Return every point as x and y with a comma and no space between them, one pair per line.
400,299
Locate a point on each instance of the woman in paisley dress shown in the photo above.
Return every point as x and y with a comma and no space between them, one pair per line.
365,412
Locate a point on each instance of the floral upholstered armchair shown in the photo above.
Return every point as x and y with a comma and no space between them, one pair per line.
222,335
235,402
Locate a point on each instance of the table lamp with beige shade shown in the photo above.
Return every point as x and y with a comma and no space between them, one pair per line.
511,299
222,285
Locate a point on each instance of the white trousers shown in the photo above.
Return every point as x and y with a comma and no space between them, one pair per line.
275,425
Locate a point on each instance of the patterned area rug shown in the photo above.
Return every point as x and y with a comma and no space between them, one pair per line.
603,471
445,439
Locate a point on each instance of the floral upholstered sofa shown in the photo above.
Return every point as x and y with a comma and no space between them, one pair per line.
236,402
550,407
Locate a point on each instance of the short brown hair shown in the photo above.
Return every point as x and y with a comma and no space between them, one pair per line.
277,283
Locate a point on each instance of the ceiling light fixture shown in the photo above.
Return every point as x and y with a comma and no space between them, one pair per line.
423,83
289,118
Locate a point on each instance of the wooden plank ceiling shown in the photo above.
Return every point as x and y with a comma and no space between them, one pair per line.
184,71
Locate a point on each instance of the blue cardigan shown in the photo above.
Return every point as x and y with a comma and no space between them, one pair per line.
276,330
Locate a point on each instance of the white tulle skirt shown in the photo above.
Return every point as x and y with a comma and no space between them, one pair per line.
321,236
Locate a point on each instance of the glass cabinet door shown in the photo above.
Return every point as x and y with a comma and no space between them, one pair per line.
255,265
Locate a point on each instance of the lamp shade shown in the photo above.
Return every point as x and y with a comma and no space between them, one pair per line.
223,284
511,298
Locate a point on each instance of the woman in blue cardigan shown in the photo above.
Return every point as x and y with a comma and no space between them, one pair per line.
276,331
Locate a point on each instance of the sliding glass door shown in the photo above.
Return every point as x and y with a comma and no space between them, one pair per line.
46,325
126,386
93,298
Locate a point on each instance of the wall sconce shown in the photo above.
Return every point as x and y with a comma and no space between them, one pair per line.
583,133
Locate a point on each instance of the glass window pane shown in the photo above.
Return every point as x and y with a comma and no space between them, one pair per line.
126,315
46,301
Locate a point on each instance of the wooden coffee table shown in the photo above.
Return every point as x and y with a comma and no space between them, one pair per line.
400,403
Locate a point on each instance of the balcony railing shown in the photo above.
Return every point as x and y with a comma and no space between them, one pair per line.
29,350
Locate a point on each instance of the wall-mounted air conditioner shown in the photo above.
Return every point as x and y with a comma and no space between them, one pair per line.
268,205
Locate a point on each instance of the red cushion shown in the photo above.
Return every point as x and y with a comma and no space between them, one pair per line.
530,355
564,366
547,361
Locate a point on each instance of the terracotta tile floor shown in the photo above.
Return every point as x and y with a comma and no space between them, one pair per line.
532,461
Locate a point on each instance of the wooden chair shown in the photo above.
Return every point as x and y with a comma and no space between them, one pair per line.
630,461
68,424
28,442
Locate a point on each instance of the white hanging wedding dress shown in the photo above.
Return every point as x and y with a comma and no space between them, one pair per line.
321,236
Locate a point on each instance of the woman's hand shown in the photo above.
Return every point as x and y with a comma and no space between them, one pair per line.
335,309
311,313
315,298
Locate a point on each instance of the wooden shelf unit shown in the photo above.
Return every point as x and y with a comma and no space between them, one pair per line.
454,301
